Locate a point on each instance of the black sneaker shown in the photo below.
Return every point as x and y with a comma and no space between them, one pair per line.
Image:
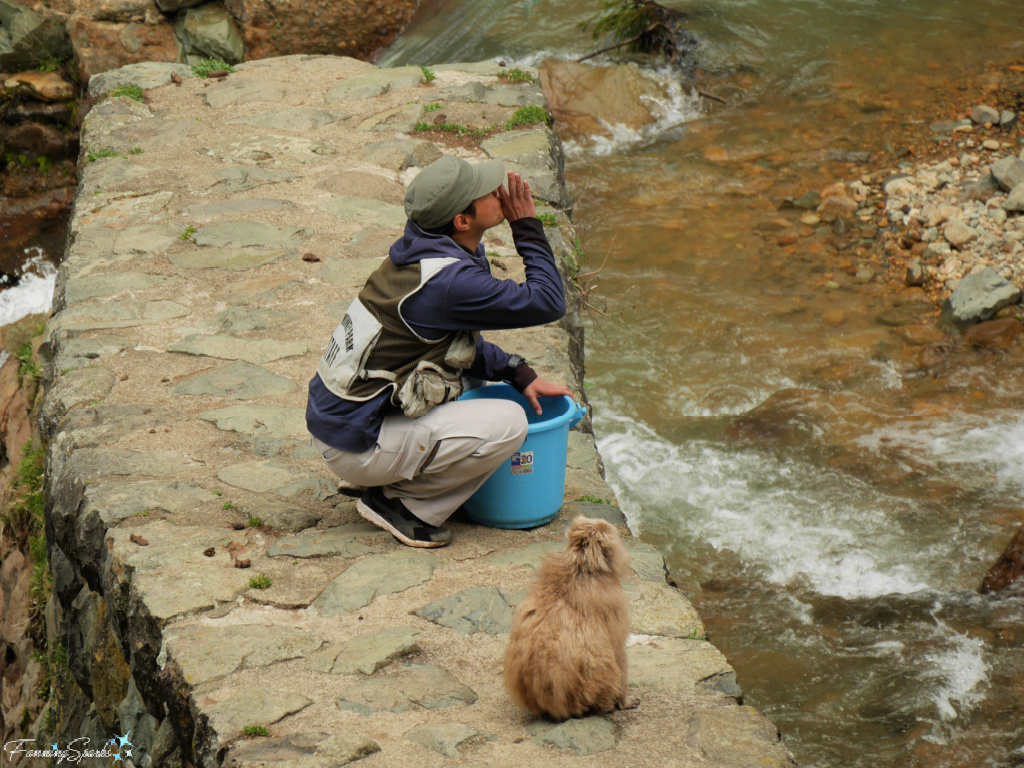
393,517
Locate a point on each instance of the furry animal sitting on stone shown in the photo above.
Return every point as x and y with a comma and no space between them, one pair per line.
566,656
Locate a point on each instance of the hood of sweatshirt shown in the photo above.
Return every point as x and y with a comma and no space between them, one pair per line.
416,245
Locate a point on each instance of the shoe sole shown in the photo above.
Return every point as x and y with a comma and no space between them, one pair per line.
370,516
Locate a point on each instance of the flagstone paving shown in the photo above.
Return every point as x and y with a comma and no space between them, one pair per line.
196,535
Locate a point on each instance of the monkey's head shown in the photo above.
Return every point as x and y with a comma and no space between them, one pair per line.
595,547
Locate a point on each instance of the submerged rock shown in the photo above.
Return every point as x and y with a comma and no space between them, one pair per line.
1008,568
590,99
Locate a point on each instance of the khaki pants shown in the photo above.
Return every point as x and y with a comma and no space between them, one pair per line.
436,462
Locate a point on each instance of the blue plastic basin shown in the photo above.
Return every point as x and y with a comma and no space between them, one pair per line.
526,491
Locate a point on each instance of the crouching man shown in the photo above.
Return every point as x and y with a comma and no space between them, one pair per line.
382,407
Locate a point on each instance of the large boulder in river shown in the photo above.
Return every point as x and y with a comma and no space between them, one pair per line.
588,99
978,297
1008,568
355,28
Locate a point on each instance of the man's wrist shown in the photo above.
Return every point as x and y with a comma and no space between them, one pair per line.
518,373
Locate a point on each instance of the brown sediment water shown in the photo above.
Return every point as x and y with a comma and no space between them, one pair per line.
828,502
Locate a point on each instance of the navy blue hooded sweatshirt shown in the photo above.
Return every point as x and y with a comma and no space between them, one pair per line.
462,297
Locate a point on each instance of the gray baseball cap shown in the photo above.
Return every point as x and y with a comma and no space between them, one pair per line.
447,186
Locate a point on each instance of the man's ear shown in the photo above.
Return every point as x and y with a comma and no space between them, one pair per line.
461,223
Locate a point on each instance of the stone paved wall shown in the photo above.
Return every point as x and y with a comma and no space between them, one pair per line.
212,251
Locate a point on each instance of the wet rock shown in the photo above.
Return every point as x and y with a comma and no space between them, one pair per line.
995,334
907,314
737,737
365,654
787,417
239,381
204,653
374,577
983,114
478,609
808,201
417,686
587,98
37,139
978,297
582,736
300,750
1008,172
1008,568
915,273
445,738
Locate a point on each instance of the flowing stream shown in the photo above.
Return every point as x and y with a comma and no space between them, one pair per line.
836,549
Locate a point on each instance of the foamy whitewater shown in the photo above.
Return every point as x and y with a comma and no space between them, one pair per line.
33,294
825,531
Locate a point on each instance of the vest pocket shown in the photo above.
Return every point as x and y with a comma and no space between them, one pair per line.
428,385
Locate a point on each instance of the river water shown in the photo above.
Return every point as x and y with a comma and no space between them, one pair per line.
834,539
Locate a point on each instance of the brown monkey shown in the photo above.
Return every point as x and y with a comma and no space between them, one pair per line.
567,653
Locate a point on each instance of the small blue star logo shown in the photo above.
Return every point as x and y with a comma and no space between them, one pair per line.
122,741
54,747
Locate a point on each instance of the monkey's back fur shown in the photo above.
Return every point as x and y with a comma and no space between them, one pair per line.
567,652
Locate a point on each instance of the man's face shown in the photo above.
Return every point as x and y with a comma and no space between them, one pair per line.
488,212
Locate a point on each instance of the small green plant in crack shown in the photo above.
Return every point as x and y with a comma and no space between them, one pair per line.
255,730
428,75
526,116
251,521
457,128
228,505
594,500
206,66
25,365
432,107
95,154
129,90
136,151
516,76
260,582
548,219
187,234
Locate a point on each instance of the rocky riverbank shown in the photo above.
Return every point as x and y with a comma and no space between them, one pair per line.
213,595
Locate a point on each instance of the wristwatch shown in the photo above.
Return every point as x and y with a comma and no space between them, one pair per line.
514,361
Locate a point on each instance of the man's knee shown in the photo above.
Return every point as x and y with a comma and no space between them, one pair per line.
510,425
